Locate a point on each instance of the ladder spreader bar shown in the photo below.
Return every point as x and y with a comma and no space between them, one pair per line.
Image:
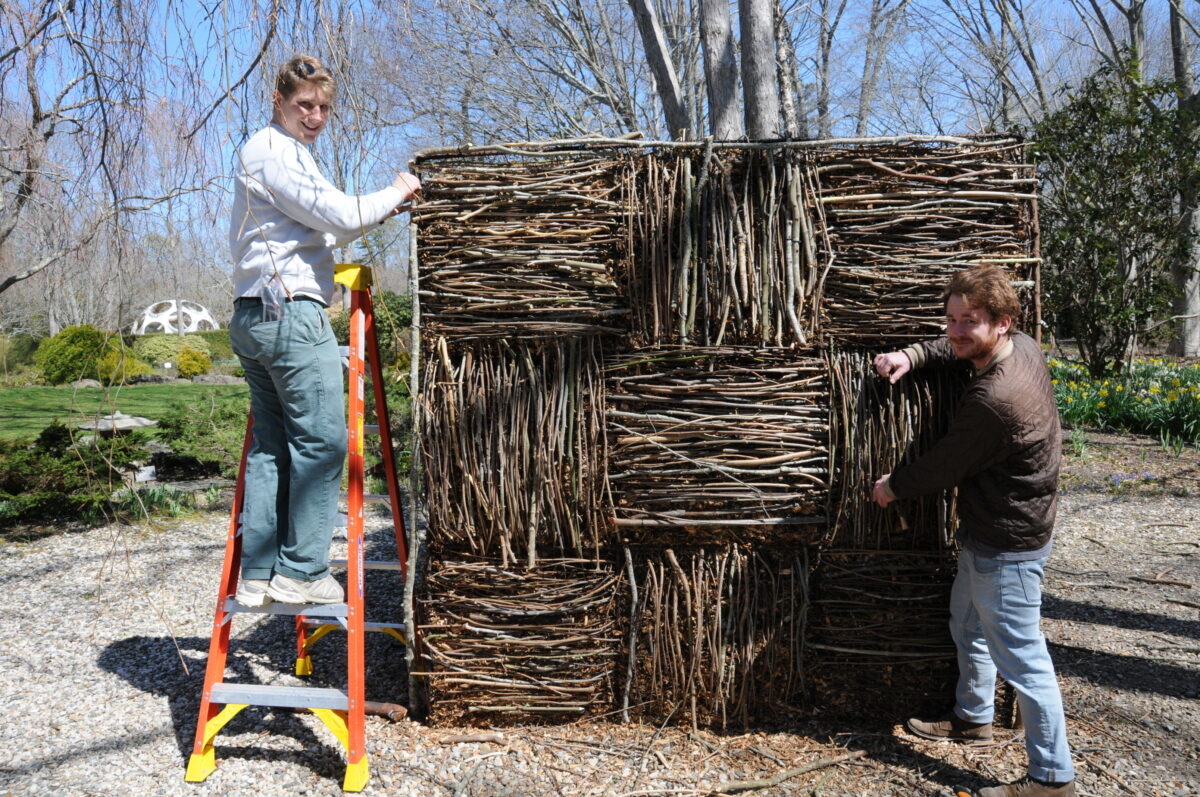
315,623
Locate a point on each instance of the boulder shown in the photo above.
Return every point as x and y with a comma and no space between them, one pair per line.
218,379
116,423
79,383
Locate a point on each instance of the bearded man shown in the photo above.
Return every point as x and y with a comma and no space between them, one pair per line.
1002,452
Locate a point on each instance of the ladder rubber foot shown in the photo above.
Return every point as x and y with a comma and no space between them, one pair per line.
356,775
201,765
304,665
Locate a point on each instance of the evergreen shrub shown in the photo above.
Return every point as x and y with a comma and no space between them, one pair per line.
118,366
211,433
217,344
72,354
17,350
393,317
52,478
192,363
159,348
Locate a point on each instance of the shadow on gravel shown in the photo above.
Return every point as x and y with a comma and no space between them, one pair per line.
156,665
906,755
1063,609
153,664
1128,673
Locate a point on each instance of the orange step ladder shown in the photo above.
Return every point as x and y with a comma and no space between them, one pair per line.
342,711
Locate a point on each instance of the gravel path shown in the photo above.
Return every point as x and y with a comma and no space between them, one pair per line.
106,632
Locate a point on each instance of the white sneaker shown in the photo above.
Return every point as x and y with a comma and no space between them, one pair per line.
293,590
252,592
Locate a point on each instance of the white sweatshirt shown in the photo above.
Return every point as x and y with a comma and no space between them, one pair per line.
287,217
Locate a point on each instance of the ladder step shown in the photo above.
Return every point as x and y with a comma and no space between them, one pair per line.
291,609
370,564
283,696
371,498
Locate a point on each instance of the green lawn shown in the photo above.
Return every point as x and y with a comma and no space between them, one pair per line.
25,411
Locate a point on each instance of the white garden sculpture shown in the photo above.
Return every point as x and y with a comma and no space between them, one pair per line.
168,314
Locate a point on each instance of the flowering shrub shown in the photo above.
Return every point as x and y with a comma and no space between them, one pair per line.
1151,396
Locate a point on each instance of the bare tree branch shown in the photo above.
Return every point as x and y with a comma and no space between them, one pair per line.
272,23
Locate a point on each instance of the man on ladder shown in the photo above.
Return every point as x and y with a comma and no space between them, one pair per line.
286,220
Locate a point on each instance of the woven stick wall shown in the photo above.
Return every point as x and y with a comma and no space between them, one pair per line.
503,644
877,640
515,446
725,248
718,633
718,444
902,220
524,249
649,426
878,426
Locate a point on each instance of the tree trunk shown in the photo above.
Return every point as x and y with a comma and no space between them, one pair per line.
720,70
790,91
661,65
1185,340
829,19
880,29
759,85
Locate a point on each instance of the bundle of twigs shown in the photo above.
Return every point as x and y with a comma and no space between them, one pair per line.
717,636
727,248
878,637
508,645
718,443
523,247
901,220
514,450
879,426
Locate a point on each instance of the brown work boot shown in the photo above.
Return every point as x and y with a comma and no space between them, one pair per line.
951,728
1028,787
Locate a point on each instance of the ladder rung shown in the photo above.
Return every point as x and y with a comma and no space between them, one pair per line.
371,498
371,428
370,564
292,609
284,696
310,621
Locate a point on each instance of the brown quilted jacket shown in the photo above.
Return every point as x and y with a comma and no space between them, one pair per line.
1002,450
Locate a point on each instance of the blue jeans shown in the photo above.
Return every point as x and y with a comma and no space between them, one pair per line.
995,619
294,467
